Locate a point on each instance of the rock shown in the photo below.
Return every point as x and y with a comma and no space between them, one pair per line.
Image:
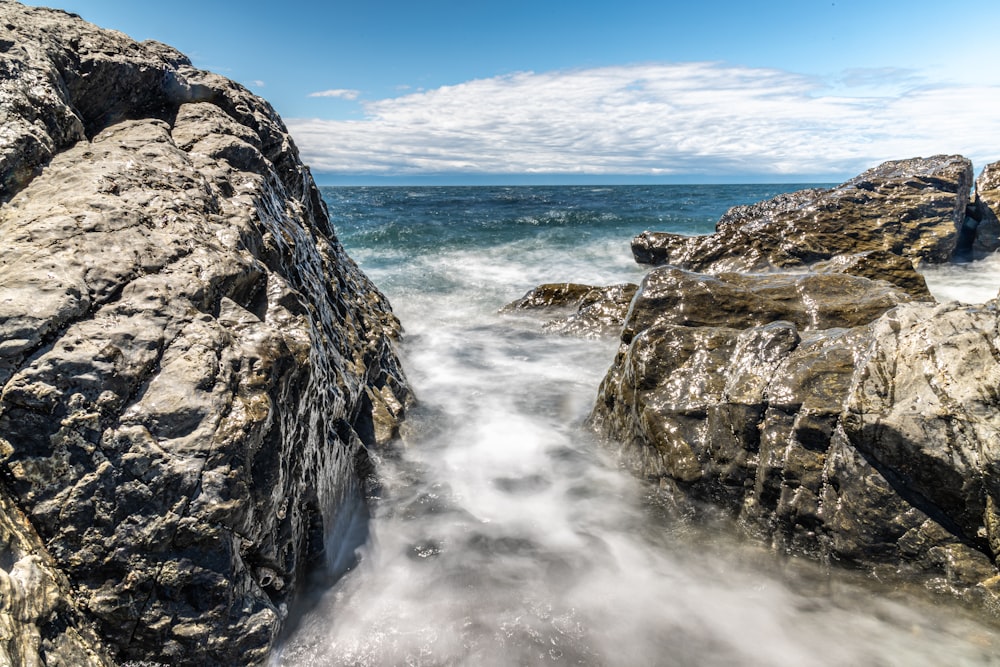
879,265
191,365
40,623
869,443
671,296
585,310
912,208
983,225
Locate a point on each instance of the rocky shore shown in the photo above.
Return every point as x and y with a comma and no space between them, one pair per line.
192,368
793,371
193,371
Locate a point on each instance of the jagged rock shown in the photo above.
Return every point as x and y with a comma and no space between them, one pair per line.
191,365
585,310
913,208
870,444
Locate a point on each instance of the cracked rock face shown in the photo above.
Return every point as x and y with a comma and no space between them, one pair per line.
191,365
912,208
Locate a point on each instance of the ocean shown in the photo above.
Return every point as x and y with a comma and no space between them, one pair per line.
502,533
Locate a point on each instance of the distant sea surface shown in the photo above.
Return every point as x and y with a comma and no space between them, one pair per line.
503,533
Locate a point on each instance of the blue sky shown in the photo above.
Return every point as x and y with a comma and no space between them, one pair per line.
624,91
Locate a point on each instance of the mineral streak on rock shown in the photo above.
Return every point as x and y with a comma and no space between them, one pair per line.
191,365
914,208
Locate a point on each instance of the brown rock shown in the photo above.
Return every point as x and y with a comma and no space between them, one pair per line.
870,444
912,208
985,231
585,310
809,300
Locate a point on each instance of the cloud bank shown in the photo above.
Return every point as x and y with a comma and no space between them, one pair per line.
659,119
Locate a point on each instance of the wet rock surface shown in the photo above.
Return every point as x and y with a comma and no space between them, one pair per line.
837,410
982,229
869,445
191,365
579,310
670,296
913,208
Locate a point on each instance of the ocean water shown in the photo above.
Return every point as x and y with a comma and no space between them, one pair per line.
502,533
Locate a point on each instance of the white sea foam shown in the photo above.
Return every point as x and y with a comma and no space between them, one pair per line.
972,282
506,536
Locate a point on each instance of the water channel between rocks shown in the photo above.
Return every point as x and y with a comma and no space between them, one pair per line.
502,533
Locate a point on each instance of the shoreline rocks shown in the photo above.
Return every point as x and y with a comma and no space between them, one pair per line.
192,368
912,208
584,310
792,371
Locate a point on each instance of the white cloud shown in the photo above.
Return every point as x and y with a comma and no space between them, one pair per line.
339,93
257,83
689,118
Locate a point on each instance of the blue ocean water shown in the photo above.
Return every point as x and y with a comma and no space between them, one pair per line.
388,223
503,533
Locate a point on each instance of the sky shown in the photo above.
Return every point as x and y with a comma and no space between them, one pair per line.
629,91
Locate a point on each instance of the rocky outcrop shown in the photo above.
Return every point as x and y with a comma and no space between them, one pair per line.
580,310
191,365
40,622
879,265
912,208
871,445
670,296
835,411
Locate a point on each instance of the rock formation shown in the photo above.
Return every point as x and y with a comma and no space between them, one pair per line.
911,208
584,310
865,444
835,411
191,366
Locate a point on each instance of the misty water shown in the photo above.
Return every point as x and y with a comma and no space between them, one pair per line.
502,533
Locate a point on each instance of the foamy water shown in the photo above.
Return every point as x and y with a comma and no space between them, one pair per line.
971,282
504,535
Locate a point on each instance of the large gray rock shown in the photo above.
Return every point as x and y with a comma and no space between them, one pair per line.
867,435
670,296
912,208
191,365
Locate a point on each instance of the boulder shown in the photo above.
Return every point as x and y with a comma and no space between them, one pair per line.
582,310
863,435
191,365
670,296
879,265
913,208
40,622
